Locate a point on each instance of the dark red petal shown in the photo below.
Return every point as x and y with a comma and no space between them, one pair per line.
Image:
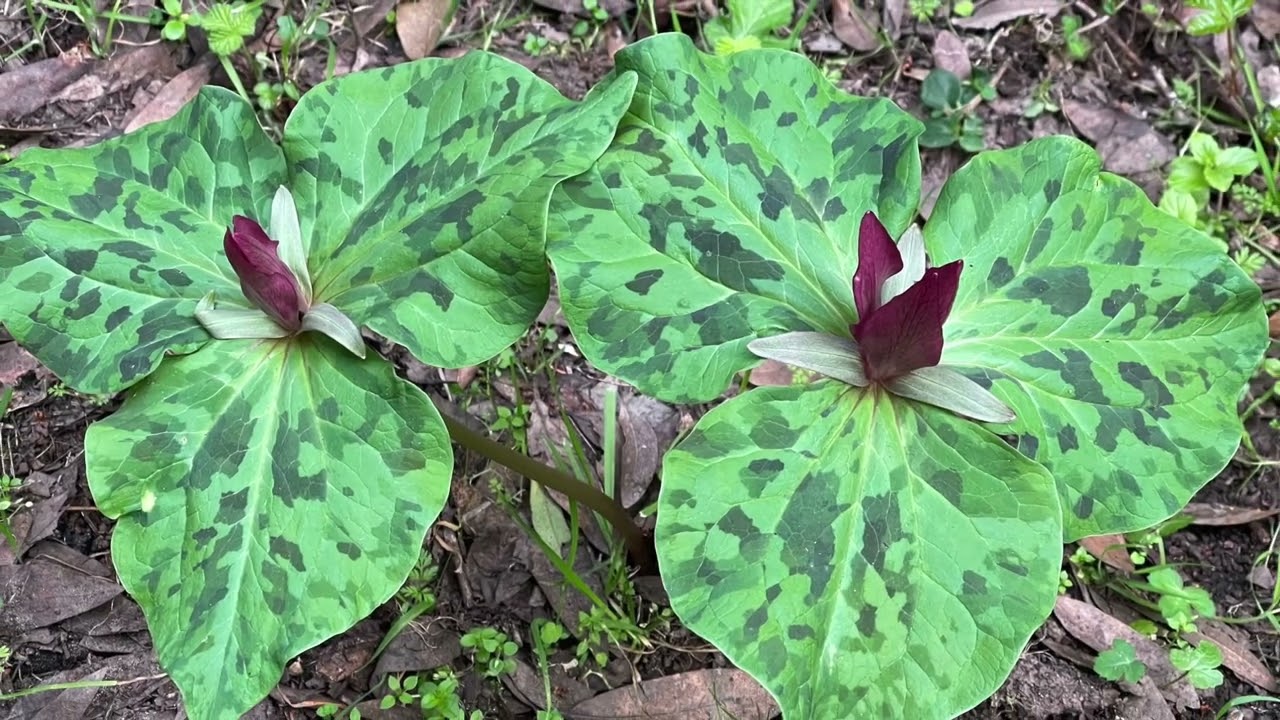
264,278
906,334
878,260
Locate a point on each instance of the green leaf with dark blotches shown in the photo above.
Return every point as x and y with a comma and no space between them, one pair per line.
860,555
422,191
726,209
105,250
268,494
1119,336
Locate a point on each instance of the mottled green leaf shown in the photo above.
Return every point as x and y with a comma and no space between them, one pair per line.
1119,336
860,555
727,208
105,250
269,494
423,188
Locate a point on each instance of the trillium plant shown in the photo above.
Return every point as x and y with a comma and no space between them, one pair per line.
271,480
1048,357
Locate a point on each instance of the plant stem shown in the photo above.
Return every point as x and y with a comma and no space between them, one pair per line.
553,479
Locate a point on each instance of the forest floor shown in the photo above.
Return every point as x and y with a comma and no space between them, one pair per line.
1125,76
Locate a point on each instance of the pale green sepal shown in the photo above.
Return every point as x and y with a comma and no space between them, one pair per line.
911,247
329,320
236,323
286,231
952,391
835,357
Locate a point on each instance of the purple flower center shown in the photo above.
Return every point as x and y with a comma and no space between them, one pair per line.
901,333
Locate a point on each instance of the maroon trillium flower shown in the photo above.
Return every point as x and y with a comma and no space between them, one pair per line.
897,341
900,309
264,278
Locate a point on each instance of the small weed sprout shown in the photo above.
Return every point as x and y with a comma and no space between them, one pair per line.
492,650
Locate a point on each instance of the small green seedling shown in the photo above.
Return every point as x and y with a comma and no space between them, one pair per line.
440,699
399,692
1209,167
546,634
1120,663
535,44
1179,605
1216,16
492,650
951,120
1078,45
331,710
1200,663
923,10
178,20
749,24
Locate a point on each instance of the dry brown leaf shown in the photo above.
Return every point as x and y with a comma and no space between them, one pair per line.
420,24
894,13
174,95
1110,550
28,88
648,430
1235,654
697,695
771,372
1099,631
1274,324
855,27
1219,515
1128,145
14,363
43,591
999,12
1266,18
950,54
